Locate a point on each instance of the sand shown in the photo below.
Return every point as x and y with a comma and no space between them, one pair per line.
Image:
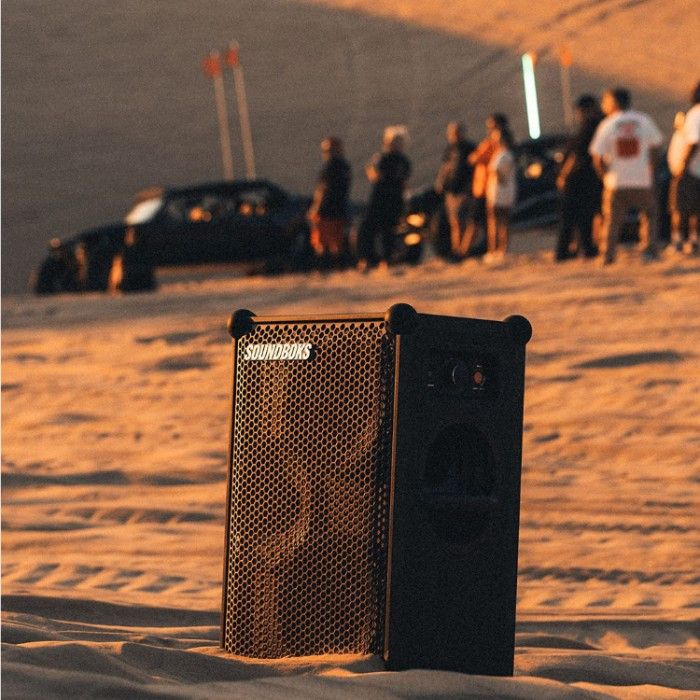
103,98
114,461
115,409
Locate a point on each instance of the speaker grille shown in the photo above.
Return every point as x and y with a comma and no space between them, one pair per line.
307,527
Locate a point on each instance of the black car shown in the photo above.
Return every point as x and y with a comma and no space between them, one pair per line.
410,233
242,221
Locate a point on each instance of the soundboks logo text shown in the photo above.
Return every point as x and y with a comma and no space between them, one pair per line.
279,351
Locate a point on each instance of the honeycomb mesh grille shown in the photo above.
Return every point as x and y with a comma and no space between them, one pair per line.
307,537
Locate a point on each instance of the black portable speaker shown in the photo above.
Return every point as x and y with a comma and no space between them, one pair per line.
374,488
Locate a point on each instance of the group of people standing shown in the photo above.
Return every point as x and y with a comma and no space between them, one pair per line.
388,172
478,184
608,168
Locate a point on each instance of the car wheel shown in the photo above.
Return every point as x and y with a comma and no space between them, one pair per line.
300,257
98,265
414,254
129,273
440,233
52,277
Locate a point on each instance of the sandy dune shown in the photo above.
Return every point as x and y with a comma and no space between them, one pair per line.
636,41
115,409
115,434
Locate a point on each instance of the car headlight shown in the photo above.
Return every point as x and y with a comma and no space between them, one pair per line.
534,171
416,220
412,239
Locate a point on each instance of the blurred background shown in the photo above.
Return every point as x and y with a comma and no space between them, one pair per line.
103,98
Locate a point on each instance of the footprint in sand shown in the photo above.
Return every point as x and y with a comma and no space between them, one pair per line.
544,358
547,437
181,363
168,480
663,383
215,454
28,357
73,418
631,360
220,338
82,573
38,573
163,583
108,477
565,378
121,579
170,338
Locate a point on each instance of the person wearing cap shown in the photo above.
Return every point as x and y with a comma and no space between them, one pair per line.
388,171
579,185
329,208
454,182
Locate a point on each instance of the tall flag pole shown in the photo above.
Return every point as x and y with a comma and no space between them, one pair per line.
533,114
565,62
233,60
211,66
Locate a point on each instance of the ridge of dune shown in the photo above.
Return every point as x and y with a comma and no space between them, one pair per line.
656,49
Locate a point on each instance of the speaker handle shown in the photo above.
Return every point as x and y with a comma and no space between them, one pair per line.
471,504
520,328
401,319
240,323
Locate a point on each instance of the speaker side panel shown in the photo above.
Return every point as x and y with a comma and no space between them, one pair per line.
456,497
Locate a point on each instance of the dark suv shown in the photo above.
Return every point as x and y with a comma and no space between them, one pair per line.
242,221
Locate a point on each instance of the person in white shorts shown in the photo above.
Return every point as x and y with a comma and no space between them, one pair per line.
625,151
501,191
675,157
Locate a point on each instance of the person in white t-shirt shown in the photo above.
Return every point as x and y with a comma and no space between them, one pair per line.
501,191
624,151
691,133
684,162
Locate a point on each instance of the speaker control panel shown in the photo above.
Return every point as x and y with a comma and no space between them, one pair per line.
461,374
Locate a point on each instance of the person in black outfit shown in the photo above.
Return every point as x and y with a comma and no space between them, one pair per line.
329,209
388,172
579,185
454,182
